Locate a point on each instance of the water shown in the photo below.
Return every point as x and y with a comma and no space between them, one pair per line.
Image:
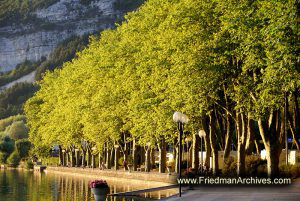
16,185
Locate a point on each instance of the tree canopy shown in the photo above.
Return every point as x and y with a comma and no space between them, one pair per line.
197,57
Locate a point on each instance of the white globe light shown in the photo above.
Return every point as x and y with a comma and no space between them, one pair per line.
179,117
176,116
202,133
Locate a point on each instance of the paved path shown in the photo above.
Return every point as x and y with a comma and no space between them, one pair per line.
257,193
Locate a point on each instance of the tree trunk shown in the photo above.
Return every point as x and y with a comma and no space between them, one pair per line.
257,147
250,137
60,156
213,143
152,158
125,151
93,161
271,133
67,158
116,158
272,155
205,124
293,128
83,157
162,156
77,156
108,163
64,157
112,157
100,158
241,122
147,159
89,155
195,151
135,155
142,154
228,139
73,158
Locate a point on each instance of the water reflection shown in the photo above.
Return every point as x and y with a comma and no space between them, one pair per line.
21,185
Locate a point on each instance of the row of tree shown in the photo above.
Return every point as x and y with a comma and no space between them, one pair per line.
231,66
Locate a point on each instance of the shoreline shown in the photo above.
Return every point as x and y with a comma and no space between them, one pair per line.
160,179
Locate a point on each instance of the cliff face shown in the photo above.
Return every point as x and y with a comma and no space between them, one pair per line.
50,26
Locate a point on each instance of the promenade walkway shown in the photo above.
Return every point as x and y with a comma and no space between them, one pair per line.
242,193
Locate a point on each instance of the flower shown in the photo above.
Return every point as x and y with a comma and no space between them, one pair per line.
98,184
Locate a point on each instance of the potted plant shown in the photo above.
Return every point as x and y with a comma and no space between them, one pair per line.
100,189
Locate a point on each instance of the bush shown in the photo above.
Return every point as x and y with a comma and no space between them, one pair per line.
29,164
129,161
17,130
252,165
292,171
4,123
230,167
52,161
7,145
262,170
3,157
23,147
14,159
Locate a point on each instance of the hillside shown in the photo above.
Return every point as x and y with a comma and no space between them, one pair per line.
30,30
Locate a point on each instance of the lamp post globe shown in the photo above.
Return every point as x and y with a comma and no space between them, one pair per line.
202,134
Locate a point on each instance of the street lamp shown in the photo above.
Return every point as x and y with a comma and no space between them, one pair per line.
202,135
180,119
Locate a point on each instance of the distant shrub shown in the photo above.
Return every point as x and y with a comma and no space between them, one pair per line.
3,157
230,166
29,164
14,159
262,170
17,130
52,161
7,145
252,165
292,171
8,121
129,161
23,147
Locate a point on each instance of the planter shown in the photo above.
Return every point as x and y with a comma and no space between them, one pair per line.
100,194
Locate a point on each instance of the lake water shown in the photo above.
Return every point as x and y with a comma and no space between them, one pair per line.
18,185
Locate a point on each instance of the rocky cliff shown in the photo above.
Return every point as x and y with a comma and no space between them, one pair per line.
49,26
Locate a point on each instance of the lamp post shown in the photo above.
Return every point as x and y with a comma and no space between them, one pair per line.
180,119
202,135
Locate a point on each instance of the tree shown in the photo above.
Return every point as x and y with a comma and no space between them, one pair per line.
23,147
17,130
